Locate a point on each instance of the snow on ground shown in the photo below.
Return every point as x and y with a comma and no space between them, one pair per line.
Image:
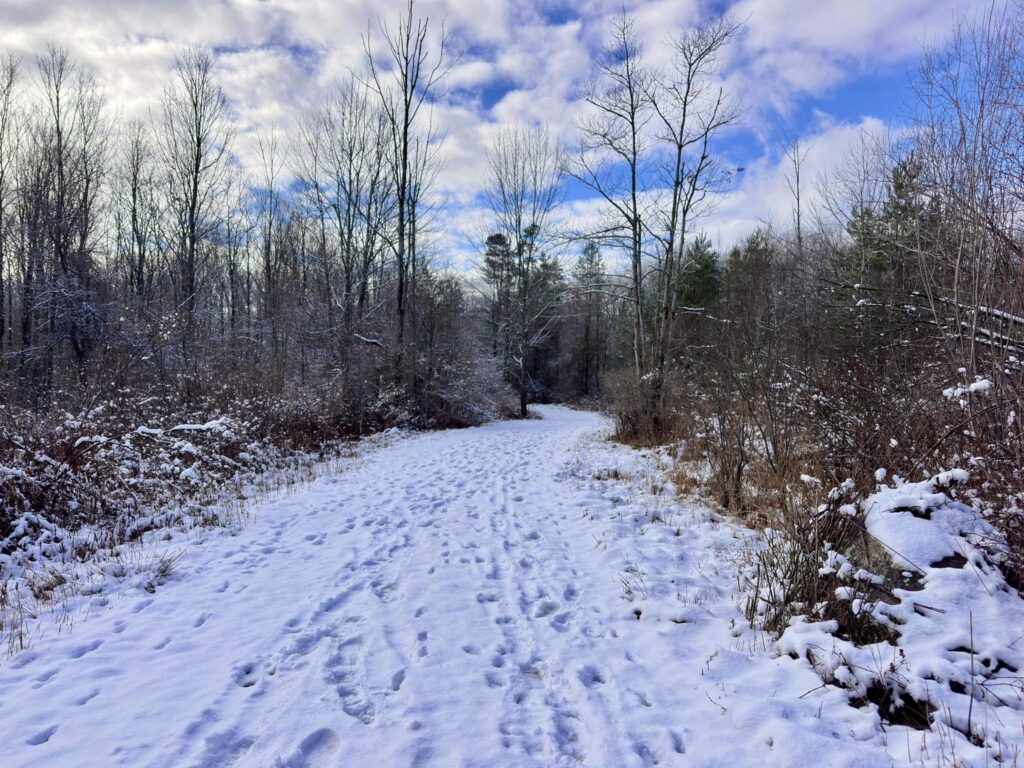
960,626
495,596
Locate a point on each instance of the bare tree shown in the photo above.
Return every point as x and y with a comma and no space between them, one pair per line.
968,140
196,136
796,155
613,142
75,136
342,159
137,208
692,110
10,139
411,77
269,201
524,183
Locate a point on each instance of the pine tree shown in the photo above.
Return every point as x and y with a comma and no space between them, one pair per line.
701,280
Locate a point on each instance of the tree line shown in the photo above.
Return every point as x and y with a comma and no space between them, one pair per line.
142,253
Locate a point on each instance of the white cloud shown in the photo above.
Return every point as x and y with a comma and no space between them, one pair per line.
522,60
763,195
805,47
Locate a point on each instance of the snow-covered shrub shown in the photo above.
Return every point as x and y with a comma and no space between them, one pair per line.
908,612
134,460
815,564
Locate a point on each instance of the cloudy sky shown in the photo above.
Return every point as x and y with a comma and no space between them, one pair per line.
822,70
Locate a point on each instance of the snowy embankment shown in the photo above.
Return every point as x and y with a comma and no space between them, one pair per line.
519,594
143,505
954,669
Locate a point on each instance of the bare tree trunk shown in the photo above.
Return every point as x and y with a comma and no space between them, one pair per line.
196,137
622,110
414,74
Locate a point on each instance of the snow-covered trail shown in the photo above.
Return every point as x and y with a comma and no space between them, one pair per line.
455,600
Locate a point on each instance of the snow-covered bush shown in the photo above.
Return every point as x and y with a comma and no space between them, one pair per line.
817,563
927,632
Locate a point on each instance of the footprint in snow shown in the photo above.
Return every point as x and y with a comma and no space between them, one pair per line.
545,608
591,677
81,701
533,667
643,698
42,737
44,678
313,751
384,591
245,674
494,680
421,637
397,679
341,671
678,745
81,650
143,605
22,660
561,621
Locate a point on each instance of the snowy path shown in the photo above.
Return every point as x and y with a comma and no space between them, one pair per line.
455,600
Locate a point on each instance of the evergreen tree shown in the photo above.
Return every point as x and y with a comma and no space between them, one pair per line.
701,280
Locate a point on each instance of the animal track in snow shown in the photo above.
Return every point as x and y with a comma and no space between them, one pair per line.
81,701
422,650
42,736
44,678
81,650
560,623
545,608
397,679
494,680
591,676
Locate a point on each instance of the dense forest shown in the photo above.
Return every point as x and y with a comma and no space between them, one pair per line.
152,282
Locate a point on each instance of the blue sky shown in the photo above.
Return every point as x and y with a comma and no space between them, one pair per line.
821,70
